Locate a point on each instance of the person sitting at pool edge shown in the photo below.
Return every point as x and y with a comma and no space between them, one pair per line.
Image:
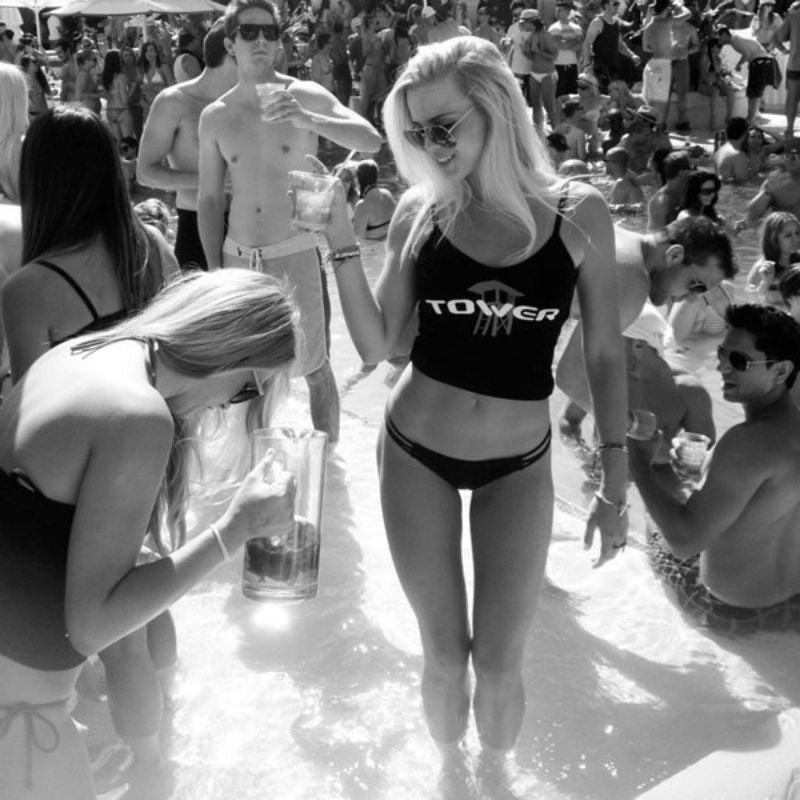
731,549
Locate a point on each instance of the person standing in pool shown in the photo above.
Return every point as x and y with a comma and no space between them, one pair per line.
489,245
256,155
731,549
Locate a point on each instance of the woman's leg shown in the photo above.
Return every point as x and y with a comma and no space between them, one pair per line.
511,521
422,515
135,699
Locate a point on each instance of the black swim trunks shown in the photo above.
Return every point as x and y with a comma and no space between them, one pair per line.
683,576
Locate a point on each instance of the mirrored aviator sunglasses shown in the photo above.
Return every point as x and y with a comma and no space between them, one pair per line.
439,135
249,32
741,362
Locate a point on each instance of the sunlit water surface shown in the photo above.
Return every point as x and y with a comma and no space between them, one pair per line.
320,700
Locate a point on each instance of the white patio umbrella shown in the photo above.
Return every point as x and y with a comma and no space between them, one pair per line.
126,8
34,5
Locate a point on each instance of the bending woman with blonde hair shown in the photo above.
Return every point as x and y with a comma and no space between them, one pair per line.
93,452
489,245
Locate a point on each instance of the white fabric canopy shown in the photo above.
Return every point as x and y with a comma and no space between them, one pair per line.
107,8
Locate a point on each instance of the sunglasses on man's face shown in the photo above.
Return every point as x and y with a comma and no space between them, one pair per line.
741,362
249,391
697,287
439,135
249,32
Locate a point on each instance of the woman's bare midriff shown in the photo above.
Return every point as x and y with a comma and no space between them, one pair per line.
22,684
463,424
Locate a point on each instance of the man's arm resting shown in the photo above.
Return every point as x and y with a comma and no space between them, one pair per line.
733,476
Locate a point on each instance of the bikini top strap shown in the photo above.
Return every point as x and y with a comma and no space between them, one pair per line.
562,202
74,284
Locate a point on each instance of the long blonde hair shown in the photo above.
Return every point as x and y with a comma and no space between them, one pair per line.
13,123
515,166
206,323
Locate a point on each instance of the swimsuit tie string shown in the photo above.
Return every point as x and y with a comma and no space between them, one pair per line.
31,713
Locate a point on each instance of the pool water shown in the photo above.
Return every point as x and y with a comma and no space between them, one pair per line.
319,700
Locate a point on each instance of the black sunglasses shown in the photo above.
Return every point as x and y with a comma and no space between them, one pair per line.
741,362
440,135
697,287
249,32
248,392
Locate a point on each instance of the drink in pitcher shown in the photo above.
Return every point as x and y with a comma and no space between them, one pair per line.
283,567
283,564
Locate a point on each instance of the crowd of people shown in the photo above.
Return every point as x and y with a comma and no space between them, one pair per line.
122,332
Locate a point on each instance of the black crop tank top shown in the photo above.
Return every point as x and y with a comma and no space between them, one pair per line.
98,323
492,330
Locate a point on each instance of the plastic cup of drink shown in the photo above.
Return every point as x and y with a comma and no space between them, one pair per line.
691,449
313,196
265,92
283,564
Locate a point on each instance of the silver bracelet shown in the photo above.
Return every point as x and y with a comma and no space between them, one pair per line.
336,256
226,554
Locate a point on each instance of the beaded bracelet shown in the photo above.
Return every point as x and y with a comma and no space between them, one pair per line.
620,508
337,256
226,554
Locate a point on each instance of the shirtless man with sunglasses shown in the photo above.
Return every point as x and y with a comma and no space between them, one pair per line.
731,549
249,151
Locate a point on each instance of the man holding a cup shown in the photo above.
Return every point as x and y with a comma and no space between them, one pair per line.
254,136
731,550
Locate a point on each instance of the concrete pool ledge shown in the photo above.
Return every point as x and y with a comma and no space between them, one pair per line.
761,769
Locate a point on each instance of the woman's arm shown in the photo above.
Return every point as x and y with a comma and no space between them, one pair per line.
23,302
375,318
107,595
360,218
605,359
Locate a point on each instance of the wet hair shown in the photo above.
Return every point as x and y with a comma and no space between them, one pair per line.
366,175
112,66
185,38
675,163
13,122
570,107
775,333
620,156
206,323
144,64
214,51
691,198
236,7
701,240
658,158
66,45
514,165
789,283
771,229
736,128
63,209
